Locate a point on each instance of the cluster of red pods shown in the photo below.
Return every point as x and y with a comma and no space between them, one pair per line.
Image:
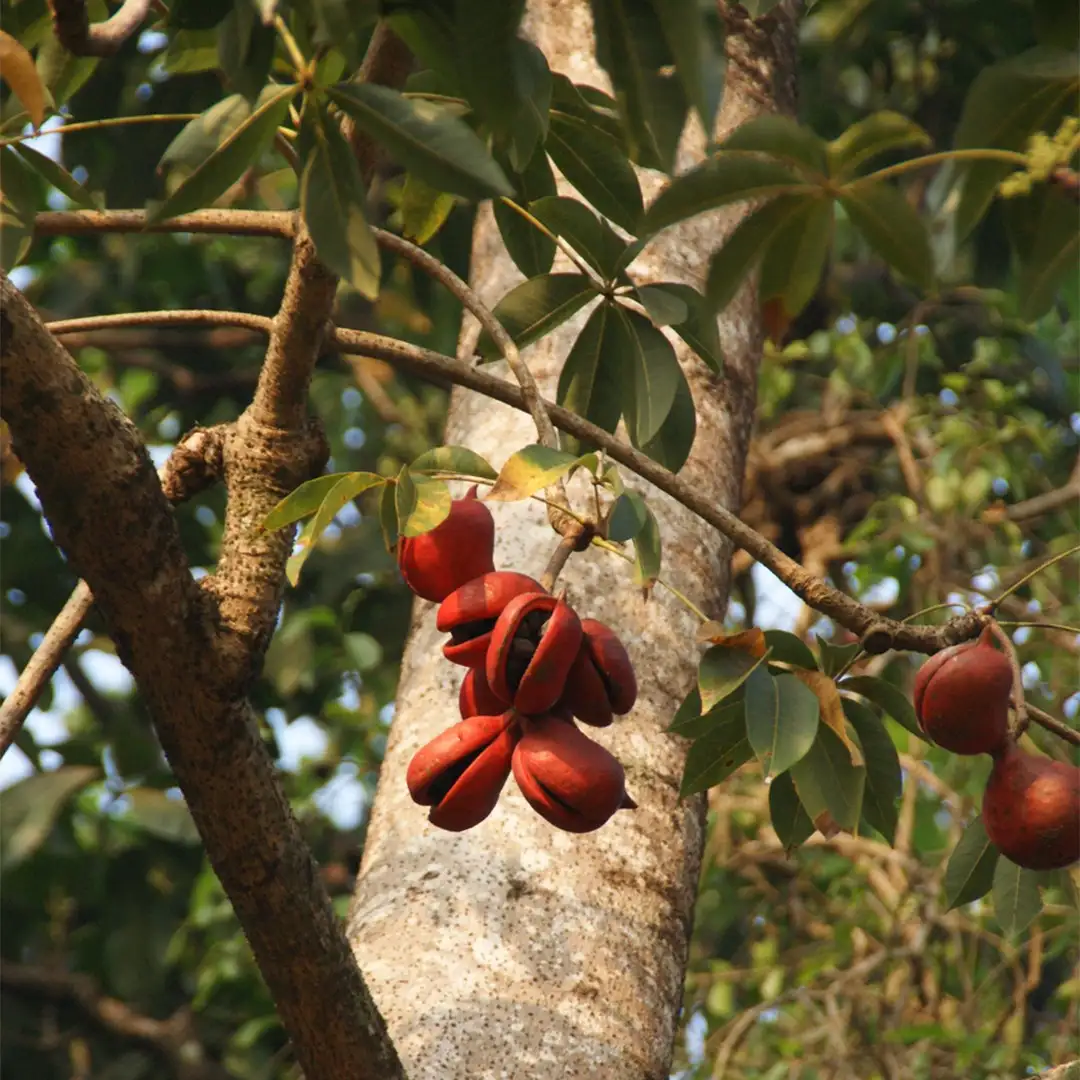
533,666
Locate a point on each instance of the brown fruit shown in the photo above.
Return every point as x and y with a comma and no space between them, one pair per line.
962,695
1031,810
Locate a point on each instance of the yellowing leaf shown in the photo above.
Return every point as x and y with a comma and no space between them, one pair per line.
20,73
832,709
751,641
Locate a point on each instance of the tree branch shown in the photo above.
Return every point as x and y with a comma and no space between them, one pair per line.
74,31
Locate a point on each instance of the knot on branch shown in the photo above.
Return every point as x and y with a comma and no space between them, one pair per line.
195,464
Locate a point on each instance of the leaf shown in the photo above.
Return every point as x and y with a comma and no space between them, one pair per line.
245,49
423,210
1006,103
687,716
751,641
453,459
593,239
834,658
422,503
535,307
716,755
161,816
534,84
789,649
627,517
827,782
672,444
532,251
718,182
1017,900
791,267
22,77
200,137
197,14
56,175
893,228
15,240
698,328
428,141
883,777
746,246
651,374
647,553
364,651
591,378
29,809
332,197
790,820
722,671
1053,256
388,516
832,708
781,719
887,697
697,63
530,470
21,187
782,138
483,31
306,499
63,73
663,307
241,148
593,163
873,135
345,490
302,548
970,872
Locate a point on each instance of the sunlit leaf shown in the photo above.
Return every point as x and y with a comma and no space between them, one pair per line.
19,72
790,649
306,499
875,134
722,671
423,210
530,470
422,503
782,138
453,459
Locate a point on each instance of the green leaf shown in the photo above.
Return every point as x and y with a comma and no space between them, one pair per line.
189,52
483,31
893,228
388,525
21,187
887,697
834,658
970,872
875,134
791,267
332,197
197,14
828,782
422,503
730,178
423,210
161,816
648,550
1054,255
781,138
1006,104
716,755
590,380
597,167
698,329
672,444
722,671
790,649
431,143
302,548
63,73
200,137
746,246
1017,900
883,777
698,63
687,716
453,459
240,149
531,250
627,518
782,717
530,470
245,49
29,809
364,651
790,820
663,307
15,240
593,239
535,307
534,83
56,175
650,384
306,499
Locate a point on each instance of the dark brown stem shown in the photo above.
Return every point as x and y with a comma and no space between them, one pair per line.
1053,724
570,542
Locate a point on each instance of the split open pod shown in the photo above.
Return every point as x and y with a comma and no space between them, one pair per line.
470,612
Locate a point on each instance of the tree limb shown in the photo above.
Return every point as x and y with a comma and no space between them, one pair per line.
74,31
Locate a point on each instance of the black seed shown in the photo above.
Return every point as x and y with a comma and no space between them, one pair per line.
466,631
440,787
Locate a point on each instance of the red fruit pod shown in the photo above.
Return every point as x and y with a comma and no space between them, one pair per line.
601,682
1031,810
460,548
461,772
533,647
962,695
469,613
476,698
568,779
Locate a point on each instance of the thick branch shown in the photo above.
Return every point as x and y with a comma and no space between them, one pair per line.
109,515
278,223
75,32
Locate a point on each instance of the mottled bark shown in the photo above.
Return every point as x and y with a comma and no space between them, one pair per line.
513,949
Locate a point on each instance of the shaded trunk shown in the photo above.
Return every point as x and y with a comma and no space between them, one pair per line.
514,949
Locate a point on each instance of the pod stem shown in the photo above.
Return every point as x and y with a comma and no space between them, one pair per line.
577,538
1021,718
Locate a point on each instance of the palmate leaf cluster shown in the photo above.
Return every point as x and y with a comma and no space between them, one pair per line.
102,867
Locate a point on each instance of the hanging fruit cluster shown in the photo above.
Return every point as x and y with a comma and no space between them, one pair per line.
1031,806
533,666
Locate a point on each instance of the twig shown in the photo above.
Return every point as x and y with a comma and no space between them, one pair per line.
1038,505
279,223
1028,576
1020,722
575,539
1053,724
75,32
37,673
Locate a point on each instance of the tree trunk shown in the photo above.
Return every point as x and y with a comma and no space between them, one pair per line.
514,949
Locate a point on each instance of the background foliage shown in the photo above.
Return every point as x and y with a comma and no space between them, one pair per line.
927,380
